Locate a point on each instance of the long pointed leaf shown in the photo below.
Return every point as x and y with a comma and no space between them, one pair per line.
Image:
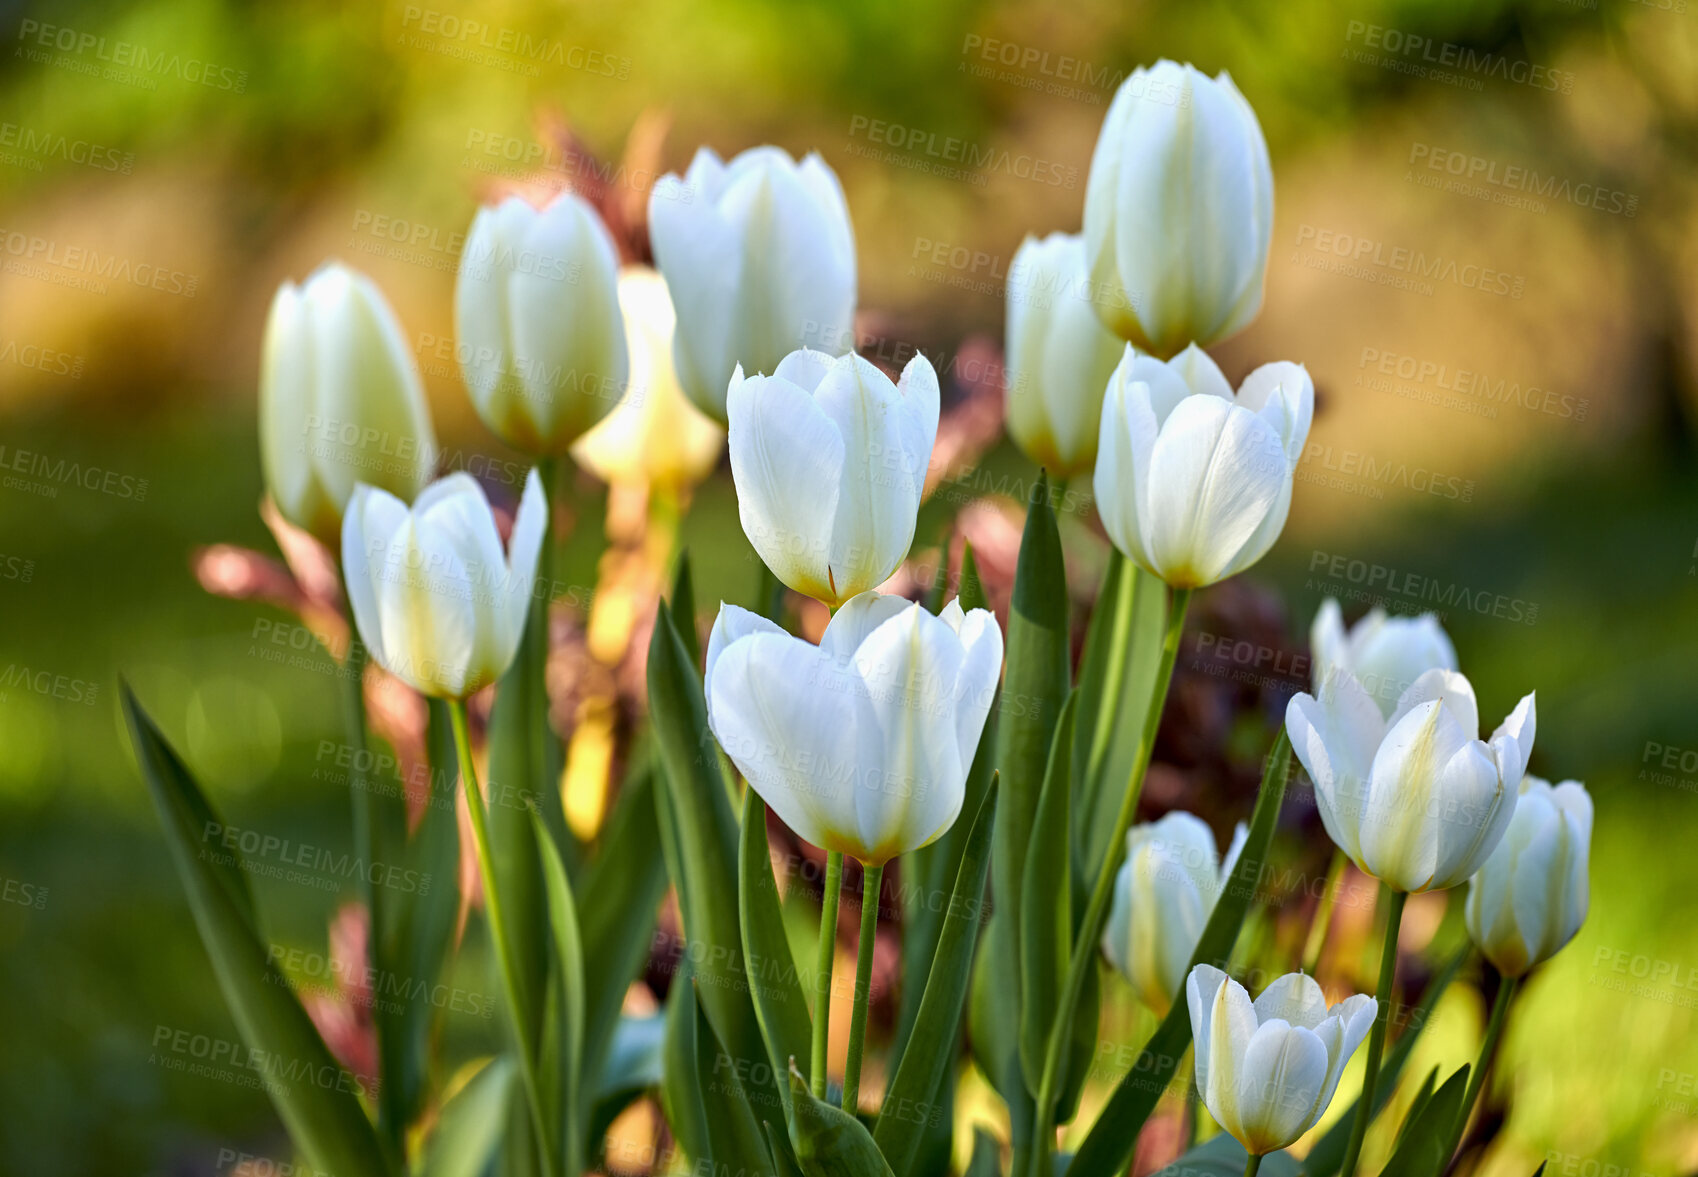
467,1136
570,1082
773,982
1424,1146
912,1104
1046,903
829,1141
313,1095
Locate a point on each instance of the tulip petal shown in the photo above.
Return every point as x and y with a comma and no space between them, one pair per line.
1450,688
1202,985
1202,376
1281,1074
732,623
1335,738
787,458
1343,1030
1125,438
1295,998
1214,473
1512,742
372,514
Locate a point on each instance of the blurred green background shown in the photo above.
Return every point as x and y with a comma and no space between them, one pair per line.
1511,450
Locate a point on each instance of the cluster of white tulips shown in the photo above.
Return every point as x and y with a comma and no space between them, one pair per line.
911,733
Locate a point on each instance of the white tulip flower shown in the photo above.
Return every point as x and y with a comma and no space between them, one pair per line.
760,257
1267,1069
862,743
1059,356
1414,799
1385,654
1178,210
340,400
536,315
1193,481
829,459
1531,896
1163,895
654,436
437,602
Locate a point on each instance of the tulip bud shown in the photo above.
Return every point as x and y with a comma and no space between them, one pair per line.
829,458
340,400
1163,895
760,258
1531,897
1194,482
862,743
1059,356
1178,210
654,435
536,315
1267,1069
436,600
1415,799
1386,654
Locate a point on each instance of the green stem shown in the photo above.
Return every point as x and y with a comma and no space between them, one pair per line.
1114,674
1084,954
1377,1039
1251,1165
509,965
871,878
1488,1051
822,968
1317,941
536,618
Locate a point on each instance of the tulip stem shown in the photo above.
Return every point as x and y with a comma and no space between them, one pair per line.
1251,1165
1317,941
509,966
1394,901
1083,957
822,969
1114,674
1488,1051
871,878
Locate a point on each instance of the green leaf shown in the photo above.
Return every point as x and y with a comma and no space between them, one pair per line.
1424,1147
1222,1156
704,844
569,1083
1108,1146
467,1136
1127,625
829,1141
1046,904
736,1143
621,889
780,1004
680,1097
778,1143
1328,1154
324,1119
1422,1094
684,608
986,1160
913,1102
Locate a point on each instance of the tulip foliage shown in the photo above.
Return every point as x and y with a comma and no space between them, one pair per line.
988,763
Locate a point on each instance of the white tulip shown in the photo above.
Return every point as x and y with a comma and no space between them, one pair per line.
437,602
1178,210
1059,356
1415,799
1531,897
340,400
1267,1069
862,743
829,458
536,315
1163,895
1386,654
654,435
1193,482
760,257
